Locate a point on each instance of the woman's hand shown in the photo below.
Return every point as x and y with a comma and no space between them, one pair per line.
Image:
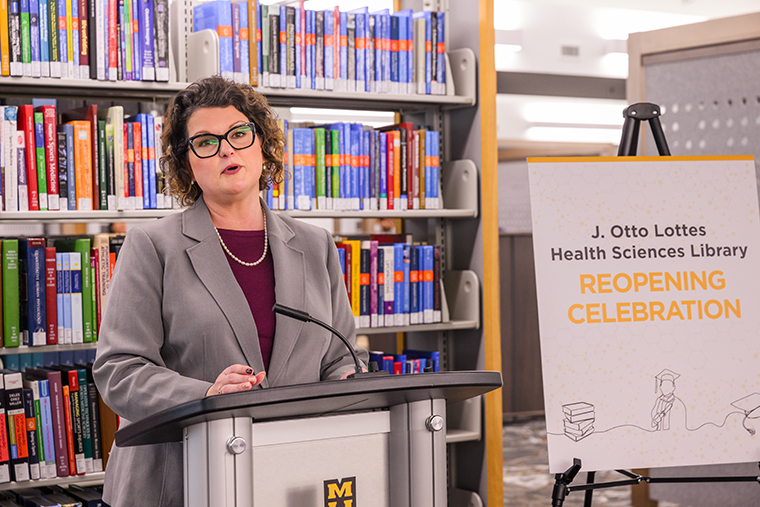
235,378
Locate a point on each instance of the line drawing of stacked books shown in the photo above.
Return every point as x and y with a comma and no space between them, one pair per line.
579,420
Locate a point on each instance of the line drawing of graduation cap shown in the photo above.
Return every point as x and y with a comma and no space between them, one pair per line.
665,374
749,405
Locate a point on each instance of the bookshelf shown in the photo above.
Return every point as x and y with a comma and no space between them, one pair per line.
465,229
92,479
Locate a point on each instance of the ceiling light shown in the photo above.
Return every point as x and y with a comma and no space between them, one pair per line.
574,135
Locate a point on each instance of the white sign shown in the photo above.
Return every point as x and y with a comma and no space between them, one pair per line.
648,278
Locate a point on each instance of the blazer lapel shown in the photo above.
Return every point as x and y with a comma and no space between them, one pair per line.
290,288
211,266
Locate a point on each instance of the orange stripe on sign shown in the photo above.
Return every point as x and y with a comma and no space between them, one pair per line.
414,276
299,159
402,45
361,43
298,38
243,34
428,46
441,47
343,41
381,278
364,279
283,37
427,276
398,276
329,40
394,45
224,31
310,160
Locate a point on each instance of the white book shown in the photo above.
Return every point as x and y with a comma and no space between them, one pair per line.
100,38
77,328
388,274
59,294
18,160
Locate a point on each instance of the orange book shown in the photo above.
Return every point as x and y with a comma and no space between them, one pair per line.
5,55
140,153
421,166
83,163
69,430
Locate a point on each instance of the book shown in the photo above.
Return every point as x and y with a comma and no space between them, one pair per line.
115,118
86,118
146,34
50,149
81,282
77,325
5,67
31,434
437,289
18,158
14,406
94,413
82,133
62,157
53,38
364,285
40,161
11,317
217,15
5,473
32,264
66,298
88,497
161,35
40,389
58,417
14,35
253,16
26,120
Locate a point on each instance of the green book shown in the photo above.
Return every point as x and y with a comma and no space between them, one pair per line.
82,245
39,151
11,318
110,175
128,37
102,165
335,134
26,40
319,146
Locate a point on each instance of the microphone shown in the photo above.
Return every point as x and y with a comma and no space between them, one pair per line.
305,317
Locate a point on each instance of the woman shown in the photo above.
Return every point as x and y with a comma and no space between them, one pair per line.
188,313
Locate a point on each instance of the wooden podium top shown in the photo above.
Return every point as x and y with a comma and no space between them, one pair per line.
316,399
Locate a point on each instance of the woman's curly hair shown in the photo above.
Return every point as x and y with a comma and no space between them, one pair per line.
216,91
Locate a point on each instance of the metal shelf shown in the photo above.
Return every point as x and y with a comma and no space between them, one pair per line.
87,88
440,326
419,213
91,479
24,349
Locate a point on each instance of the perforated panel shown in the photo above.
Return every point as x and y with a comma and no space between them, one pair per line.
711,105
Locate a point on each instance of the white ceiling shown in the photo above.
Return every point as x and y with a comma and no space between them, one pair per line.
708,8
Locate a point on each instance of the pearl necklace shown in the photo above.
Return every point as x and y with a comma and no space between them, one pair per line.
266,244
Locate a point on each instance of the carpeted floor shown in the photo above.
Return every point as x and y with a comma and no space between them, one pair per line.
527,482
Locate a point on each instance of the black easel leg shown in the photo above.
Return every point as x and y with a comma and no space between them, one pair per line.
589,492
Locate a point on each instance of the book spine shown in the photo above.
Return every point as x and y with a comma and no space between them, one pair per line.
102,175
389,284
83,408
360,43
59,423
30,426
19,449
437,284
414,286
26,49
83,163
51,306
35,286
245,43
63,38
329,49
147,30
39,433
129,163
149,149
34,32
254,40
50,156
136,41
396,170
405,311
364,285
46,429
142,184
97,453
62,169
39,151
84,39
342,73
111,174
82,247
77,325
54,45
404,175
440,67
161,36
5,62
113,39
67,315
374,285
295,46
14,34
59,291
11,316
66,404
70,168
72,22
99,39
5,474
427,284
26,117
319,145
274,49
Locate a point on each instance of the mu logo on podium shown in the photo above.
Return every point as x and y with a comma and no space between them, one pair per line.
340,493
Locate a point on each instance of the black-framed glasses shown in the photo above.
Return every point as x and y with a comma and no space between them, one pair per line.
239,137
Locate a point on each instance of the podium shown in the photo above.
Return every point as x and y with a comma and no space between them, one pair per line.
362,442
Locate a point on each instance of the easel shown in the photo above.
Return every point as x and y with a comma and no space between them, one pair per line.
634,115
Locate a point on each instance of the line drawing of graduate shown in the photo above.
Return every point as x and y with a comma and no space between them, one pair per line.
665,382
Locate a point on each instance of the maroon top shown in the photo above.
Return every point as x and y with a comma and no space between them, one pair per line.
257,282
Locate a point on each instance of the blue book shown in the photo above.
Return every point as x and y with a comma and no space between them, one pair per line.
312,16
401,358
217,15
297,43
136,41
75,41
398,284
440,70
51,358
129,162
301,190
388,364
38,359
44,39
24,362
414,285
426,279
258,40
152,162
245,49
404,20
32,253
80,357
308,64
342,261
329,49
63,43
356,145
67,329
406,285
77,324
46,417
364,171
283,46
142,119
11,362
395,88
59,294
343,52
361,47
34,26
66,358
409,51
146,36
432,200
68,131
90,354
377,357
383,170
126,71
380,287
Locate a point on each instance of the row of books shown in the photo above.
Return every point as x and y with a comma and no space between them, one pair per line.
391,283
408,362
80,159
294,47
51,425
350,166
85,39
53,496
54,289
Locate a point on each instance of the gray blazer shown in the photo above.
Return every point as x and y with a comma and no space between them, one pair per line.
175,317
